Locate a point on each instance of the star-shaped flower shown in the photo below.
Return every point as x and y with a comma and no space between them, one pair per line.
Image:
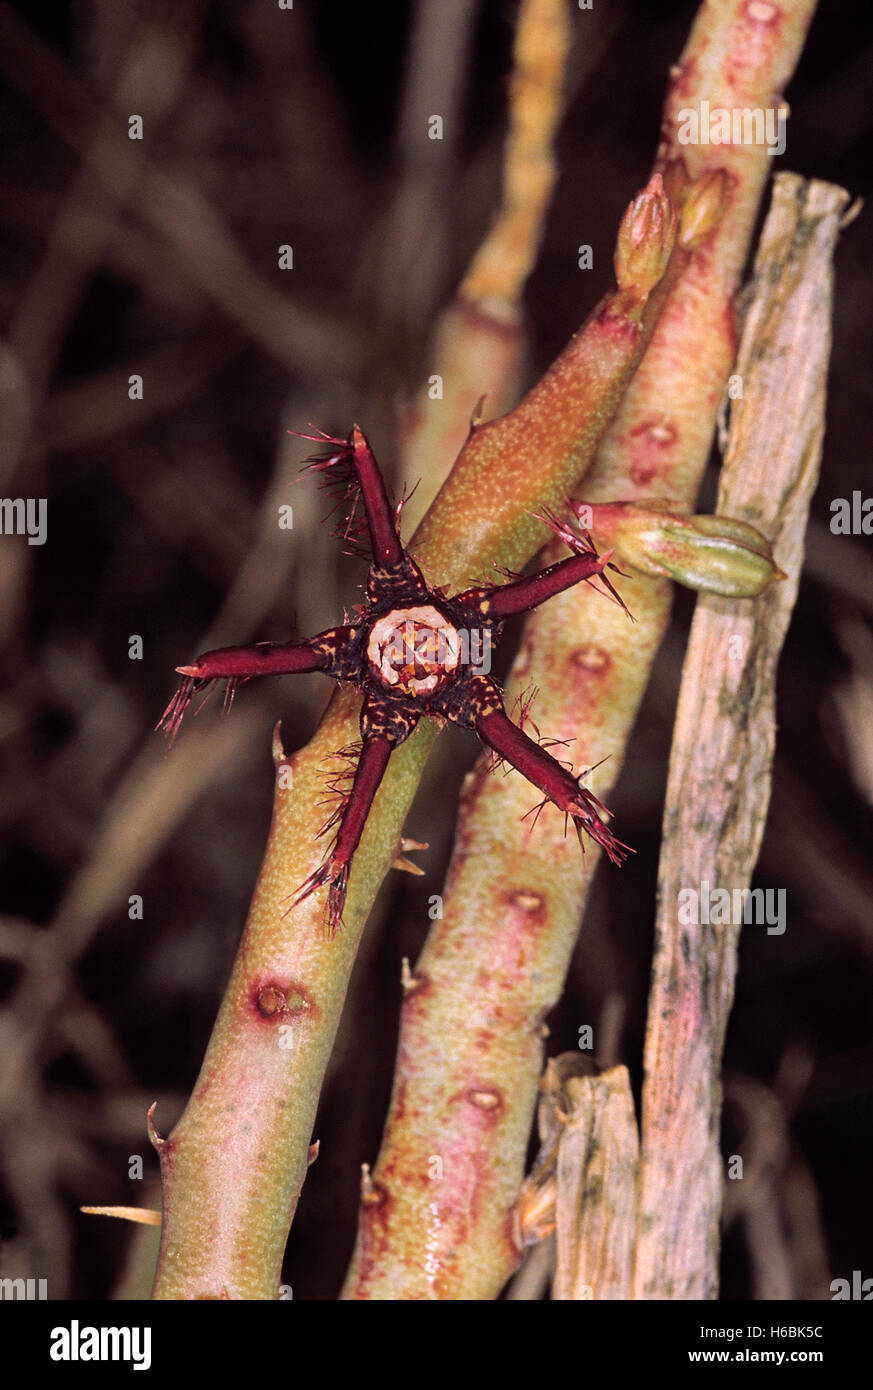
412,651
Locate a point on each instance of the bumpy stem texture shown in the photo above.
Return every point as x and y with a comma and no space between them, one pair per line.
719,784
494,965
233,1167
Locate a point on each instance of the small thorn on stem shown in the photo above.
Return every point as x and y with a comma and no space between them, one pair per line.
372,1193
276,748
402,862
144,1216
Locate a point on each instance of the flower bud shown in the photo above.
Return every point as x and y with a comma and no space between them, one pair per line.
703,208
645,239
714,554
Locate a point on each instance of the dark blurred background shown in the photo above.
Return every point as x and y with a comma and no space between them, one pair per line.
265,127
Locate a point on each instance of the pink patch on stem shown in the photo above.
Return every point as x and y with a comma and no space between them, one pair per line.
650,442
592,659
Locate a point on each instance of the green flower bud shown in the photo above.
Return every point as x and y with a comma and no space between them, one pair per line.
645,240
703,208
714,554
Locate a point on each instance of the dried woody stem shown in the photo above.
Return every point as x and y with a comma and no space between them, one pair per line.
233,1168
665,1244
719,784
589,1144
470,1050
597,1152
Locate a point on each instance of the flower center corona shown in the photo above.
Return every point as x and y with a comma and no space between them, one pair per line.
415,650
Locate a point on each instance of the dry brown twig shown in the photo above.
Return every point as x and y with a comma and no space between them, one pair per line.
719,785
590,1146
717,801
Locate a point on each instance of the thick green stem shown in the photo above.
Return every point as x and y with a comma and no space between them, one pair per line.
495,964
234,1166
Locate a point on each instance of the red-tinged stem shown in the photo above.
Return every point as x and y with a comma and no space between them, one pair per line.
499,479
387,550
478,344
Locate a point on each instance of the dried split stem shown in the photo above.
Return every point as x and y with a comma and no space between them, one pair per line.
719,783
